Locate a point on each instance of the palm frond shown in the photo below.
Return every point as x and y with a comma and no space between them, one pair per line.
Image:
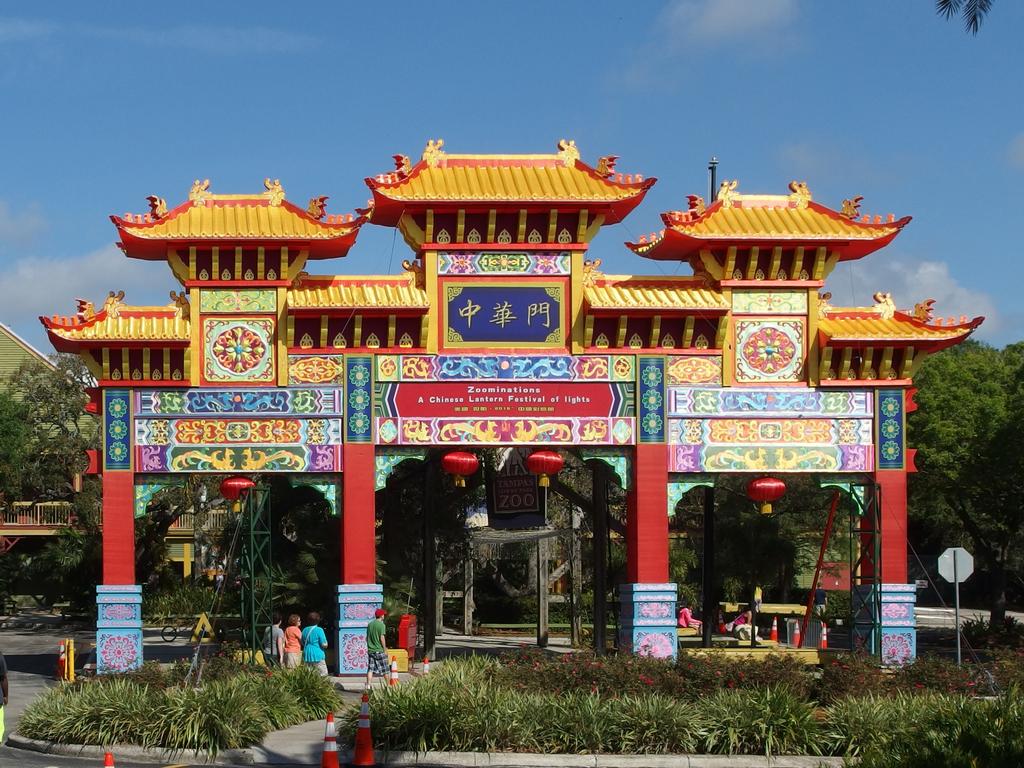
973,12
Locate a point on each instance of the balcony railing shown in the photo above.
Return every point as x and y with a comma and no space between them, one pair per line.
215,520
42,514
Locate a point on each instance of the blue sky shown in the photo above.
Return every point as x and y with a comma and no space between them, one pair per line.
105,104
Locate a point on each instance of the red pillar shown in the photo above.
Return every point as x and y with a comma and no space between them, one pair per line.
647,516
358,543
118,527
893,516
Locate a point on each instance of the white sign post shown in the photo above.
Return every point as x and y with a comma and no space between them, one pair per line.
955,565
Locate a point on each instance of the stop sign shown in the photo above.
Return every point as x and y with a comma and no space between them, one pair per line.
956,564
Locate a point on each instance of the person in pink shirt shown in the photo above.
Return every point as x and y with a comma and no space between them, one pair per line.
686,618
292,643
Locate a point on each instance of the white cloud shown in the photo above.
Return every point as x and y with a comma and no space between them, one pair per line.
719,20
225,40
49,286
910,282
19,228
213,40
16,30
1015,153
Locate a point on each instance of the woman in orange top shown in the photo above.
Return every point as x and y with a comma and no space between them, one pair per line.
292,643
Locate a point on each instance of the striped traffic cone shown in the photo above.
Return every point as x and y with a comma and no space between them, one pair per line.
823,645
795,638
62,662
329,757
108,760
393,679
774,635
362,754
426,665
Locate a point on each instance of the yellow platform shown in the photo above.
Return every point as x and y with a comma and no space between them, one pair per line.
401,656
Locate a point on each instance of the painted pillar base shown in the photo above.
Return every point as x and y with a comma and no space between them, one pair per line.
899,625
647,620
356,604
898,630
118,628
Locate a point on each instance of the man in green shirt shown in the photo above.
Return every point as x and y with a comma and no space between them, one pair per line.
376,648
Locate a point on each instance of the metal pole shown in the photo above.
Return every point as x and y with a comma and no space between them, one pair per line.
710,608
956,603
713,171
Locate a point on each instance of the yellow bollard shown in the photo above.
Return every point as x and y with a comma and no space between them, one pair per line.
71,660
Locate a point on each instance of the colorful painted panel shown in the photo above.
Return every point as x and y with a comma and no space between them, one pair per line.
891,429
385,462
652,399
504,315
695,369
505,263
306,401
769,302
531,368
238,350
316,369
769,351
223,431
207,458
485,399
117,417
647,620
118,628
356,604
789,458
561,431
237,300
781,401
770,431
359,398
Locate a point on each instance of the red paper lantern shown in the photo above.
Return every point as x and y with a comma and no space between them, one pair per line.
231,488
461,465
765,490
545,463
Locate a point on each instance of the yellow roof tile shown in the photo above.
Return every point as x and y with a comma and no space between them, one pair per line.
237,219
777,217
131,324
627,292
863,326
361,293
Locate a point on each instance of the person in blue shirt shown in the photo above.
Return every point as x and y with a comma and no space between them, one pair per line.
314,643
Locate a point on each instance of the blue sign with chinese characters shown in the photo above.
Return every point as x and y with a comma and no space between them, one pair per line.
503,315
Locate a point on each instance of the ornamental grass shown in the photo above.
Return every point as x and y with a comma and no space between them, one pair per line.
145,709
476,705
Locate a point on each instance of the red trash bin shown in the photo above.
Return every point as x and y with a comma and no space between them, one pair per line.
407,634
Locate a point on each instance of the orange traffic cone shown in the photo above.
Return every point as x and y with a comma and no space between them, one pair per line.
426,665
393,679
329,757
362,755
795,638
62,662
108,760
824,637
774,636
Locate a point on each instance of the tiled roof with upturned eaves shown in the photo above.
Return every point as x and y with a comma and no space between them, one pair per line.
626,292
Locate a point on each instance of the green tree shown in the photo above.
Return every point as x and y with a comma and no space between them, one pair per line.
13,446
57,431
972,12
970,457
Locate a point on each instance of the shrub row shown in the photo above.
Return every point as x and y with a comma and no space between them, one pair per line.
230,712
462,708
694,675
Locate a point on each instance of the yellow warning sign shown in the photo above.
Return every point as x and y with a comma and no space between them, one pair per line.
203,628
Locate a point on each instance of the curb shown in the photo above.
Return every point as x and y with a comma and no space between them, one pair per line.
129,752
243,757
